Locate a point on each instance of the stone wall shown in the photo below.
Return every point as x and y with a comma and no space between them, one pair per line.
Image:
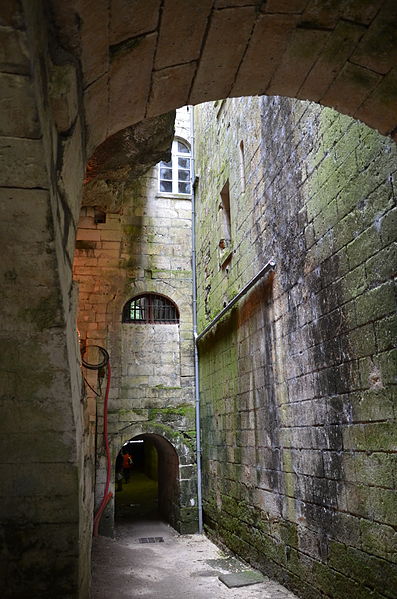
45,511
145,248
297,381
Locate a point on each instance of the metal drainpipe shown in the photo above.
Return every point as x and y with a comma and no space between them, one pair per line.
196,363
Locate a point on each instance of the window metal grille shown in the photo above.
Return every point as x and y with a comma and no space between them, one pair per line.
150,308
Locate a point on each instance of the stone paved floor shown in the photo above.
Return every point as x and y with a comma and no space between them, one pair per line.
182,567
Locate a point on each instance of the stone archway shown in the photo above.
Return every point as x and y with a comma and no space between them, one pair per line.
177,499
165,471
339,54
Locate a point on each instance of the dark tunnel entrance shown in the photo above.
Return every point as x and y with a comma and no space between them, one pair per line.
147,480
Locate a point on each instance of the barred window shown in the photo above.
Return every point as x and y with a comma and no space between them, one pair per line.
150,308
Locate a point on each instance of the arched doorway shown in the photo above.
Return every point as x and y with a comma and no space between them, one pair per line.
162,484
149,487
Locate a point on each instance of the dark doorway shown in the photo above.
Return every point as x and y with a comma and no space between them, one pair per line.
147,488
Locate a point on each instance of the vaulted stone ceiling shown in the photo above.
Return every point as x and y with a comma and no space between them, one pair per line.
143,58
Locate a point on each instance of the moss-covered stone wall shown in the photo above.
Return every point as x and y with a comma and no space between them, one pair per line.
297,381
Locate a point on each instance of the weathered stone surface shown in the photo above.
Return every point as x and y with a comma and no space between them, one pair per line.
269,39
356,82
369,53
21,164
96,100
94,39
241,579
181,32
14,55
129,19
296,383
334,55
381,102
126,156
130,62
274,49
218,65
63,95
180,77
302,52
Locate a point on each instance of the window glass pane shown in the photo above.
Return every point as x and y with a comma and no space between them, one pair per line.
165,185
182,148
184,187
137,309
166,173
169,164
183,175
184,163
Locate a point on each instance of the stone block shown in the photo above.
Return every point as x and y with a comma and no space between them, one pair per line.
215,75
63,95
22,163
378,108
350,88
363,247
19,113
130,62
376,303
388,227
303,50
369,53
378,539
88,235
376,436
337,50
181,32
14,54
96,99
386,333
266,47
131,19
94,40
39,479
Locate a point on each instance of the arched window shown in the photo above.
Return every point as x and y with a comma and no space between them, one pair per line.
174,176
150,308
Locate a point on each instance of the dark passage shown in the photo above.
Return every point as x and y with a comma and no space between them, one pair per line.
137,487
149,488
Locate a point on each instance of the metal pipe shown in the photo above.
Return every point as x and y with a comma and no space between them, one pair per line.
270,266
196,364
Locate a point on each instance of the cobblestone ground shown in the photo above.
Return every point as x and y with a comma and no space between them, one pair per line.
180,567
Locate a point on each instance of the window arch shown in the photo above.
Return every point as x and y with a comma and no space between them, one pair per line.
150,308
175,175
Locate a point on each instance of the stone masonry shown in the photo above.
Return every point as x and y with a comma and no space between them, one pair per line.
72,74
45,513
141,59
146,247
298,380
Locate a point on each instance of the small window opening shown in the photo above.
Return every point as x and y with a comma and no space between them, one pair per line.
242,166
225,242
225,216
150,308
99,217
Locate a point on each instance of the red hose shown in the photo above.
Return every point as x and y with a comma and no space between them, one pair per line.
106,495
